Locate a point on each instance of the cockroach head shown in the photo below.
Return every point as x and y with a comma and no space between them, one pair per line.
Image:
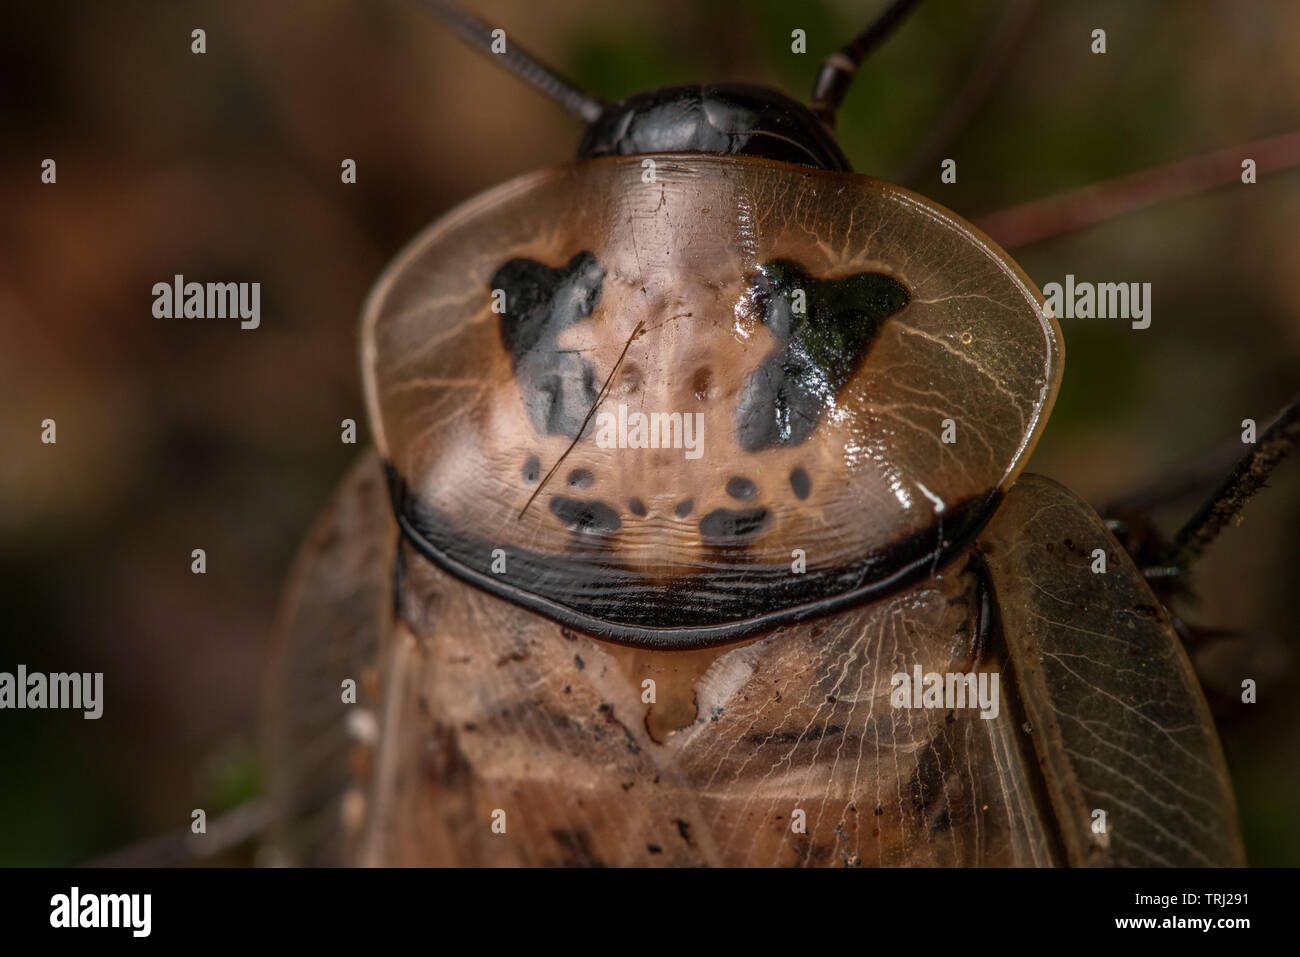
721,118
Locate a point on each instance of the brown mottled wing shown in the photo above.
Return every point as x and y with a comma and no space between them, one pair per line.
1117,715
330,628
492,708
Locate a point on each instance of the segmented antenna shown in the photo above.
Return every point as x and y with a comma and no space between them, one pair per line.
478,35
840,68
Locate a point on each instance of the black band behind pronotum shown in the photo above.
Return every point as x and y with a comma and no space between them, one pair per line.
739,601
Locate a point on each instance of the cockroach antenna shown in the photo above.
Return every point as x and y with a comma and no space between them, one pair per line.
840,68
479,35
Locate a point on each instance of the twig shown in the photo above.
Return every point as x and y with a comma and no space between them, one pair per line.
590,412
183,847
979,84
1077,209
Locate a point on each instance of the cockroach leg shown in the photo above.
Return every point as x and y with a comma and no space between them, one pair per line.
984,624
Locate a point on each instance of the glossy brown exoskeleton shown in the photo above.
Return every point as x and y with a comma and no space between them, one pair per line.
695,533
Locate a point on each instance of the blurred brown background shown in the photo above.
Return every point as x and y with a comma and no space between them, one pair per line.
179,434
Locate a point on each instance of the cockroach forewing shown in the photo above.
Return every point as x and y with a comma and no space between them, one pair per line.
509,740
331,628
1129,752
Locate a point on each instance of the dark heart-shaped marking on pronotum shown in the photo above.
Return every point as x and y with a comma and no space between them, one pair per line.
559,386
820,349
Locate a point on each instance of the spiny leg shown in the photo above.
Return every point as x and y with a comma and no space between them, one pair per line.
1165,562
1247,478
